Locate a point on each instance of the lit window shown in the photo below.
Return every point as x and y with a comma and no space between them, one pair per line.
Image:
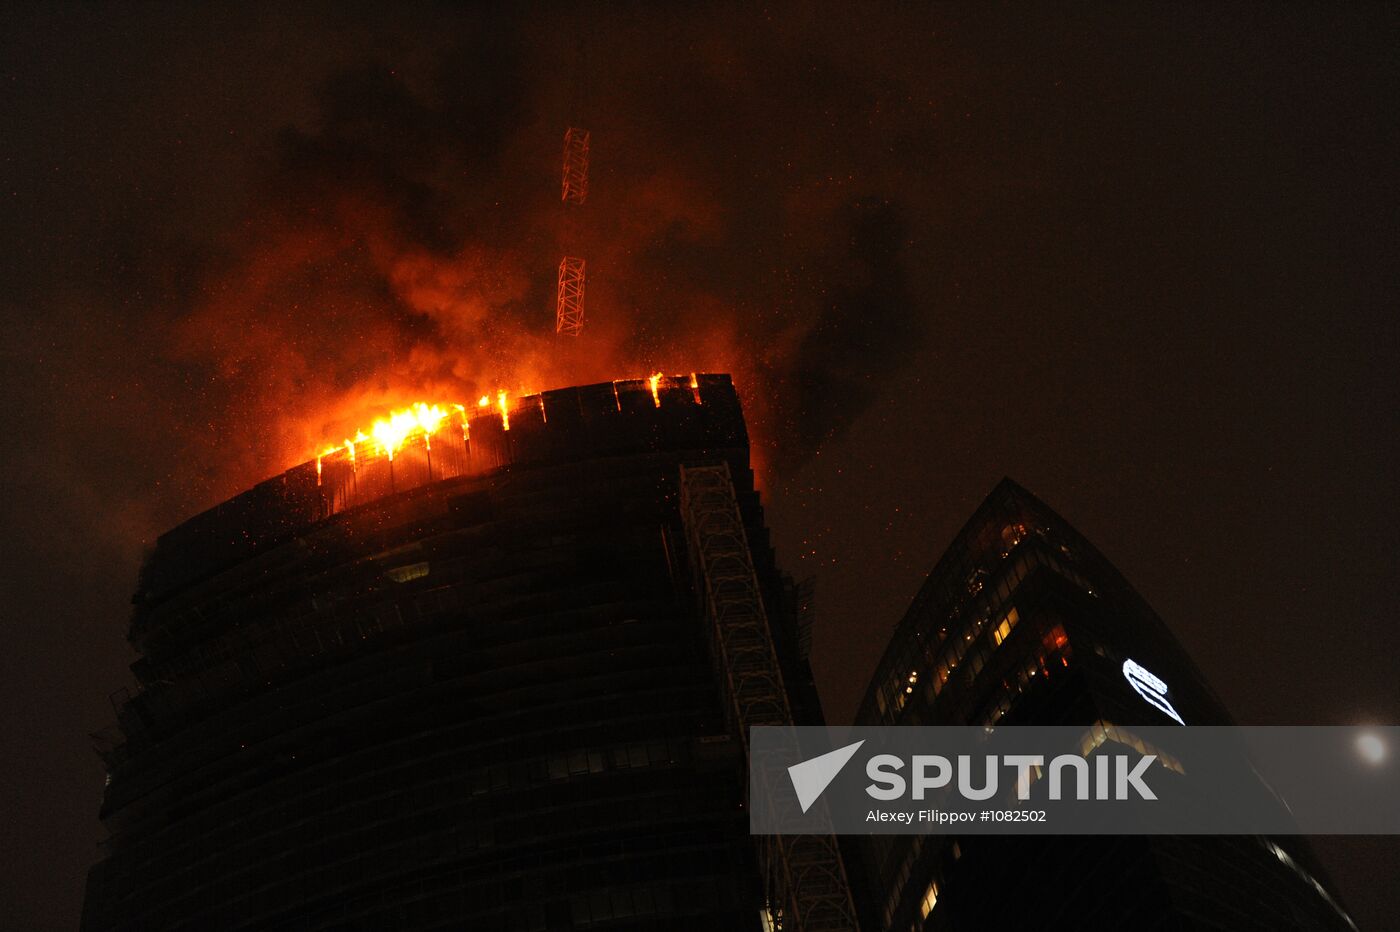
1102,731
930,899
1007,623
1012,534
403,574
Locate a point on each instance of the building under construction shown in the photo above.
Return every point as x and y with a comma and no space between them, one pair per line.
496,681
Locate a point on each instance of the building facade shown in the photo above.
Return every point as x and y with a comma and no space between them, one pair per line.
466,688
1024,622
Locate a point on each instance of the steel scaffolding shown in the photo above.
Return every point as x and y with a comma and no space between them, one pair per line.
569,315
806,881
575,165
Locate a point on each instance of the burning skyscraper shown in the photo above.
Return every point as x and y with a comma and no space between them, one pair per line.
487,671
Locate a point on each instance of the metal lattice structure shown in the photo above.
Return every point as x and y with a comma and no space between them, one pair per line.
575,165
569,316
806,881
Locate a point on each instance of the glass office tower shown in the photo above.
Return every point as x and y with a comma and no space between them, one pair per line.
1023,622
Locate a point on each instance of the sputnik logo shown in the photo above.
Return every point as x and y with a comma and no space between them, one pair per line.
811,777
1149,687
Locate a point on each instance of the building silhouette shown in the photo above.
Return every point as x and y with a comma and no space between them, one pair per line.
471,686
1024,622
502,680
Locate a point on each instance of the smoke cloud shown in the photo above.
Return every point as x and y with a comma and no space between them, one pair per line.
395,237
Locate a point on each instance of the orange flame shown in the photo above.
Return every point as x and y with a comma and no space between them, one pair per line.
466,433
421,419
392,432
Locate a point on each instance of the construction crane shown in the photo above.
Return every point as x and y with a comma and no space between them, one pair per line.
805,879
575,165
568,319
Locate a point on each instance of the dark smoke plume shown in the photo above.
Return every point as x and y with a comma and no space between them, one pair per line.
398,238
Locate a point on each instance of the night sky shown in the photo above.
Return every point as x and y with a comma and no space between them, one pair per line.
1143,260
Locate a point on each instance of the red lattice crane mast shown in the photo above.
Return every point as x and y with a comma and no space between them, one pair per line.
568,319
